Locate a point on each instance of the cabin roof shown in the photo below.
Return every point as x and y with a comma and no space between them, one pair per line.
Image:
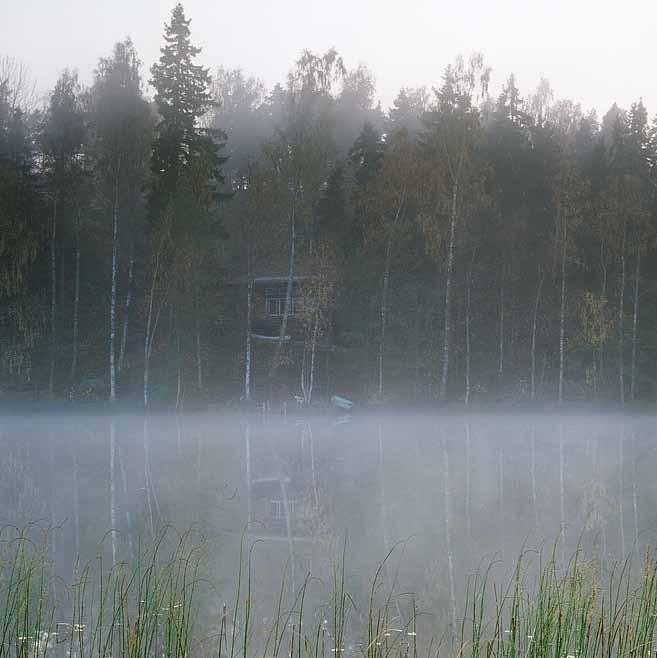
279,279
269,279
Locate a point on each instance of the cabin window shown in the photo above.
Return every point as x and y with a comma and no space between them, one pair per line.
297,305
277,509
275,296
275,306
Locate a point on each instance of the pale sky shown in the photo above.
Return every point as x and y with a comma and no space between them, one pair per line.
593,52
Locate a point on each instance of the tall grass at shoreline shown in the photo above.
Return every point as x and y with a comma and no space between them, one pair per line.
161,607
117,611
563,614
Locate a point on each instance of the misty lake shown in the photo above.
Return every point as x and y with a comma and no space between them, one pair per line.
447,493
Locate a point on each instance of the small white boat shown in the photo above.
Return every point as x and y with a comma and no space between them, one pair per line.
340,402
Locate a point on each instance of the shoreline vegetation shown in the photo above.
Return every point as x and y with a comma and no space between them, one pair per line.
165,605
10,406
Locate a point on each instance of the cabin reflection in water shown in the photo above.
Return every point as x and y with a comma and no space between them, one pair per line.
282,490
281,507
286,503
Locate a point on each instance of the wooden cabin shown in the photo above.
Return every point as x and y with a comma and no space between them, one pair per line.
269,296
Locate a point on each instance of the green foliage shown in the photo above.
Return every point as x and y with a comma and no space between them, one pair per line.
153,608
62,137
495,199
182,97
140,610
22,233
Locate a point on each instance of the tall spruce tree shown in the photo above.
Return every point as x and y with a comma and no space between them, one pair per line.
182,96
186,177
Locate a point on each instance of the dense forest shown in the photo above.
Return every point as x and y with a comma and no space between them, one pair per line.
456,247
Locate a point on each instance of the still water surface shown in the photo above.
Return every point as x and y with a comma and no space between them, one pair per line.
444,493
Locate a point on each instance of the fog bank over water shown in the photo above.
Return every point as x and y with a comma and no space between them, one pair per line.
449,492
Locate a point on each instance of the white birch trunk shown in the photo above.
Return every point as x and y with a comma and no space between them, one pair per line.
304,388
76,304
383,310
467,329
313,351
447,329
179,377
115,249
621,324
249,322
53,298
383,316
146,390
197,327
151,325
500,366
603,294
562,313
290,284
126,309
534,331
199,359
635,324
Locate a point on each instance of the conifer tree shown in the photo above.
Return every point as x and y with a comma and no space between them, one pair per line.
186,171
182,96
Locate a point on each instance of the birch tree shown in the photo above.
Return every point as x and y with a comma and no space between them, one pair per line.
156,296
302,156
621,204
248,221
453,127
568,202
390,194
319,298
643,233
121,123
468,332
